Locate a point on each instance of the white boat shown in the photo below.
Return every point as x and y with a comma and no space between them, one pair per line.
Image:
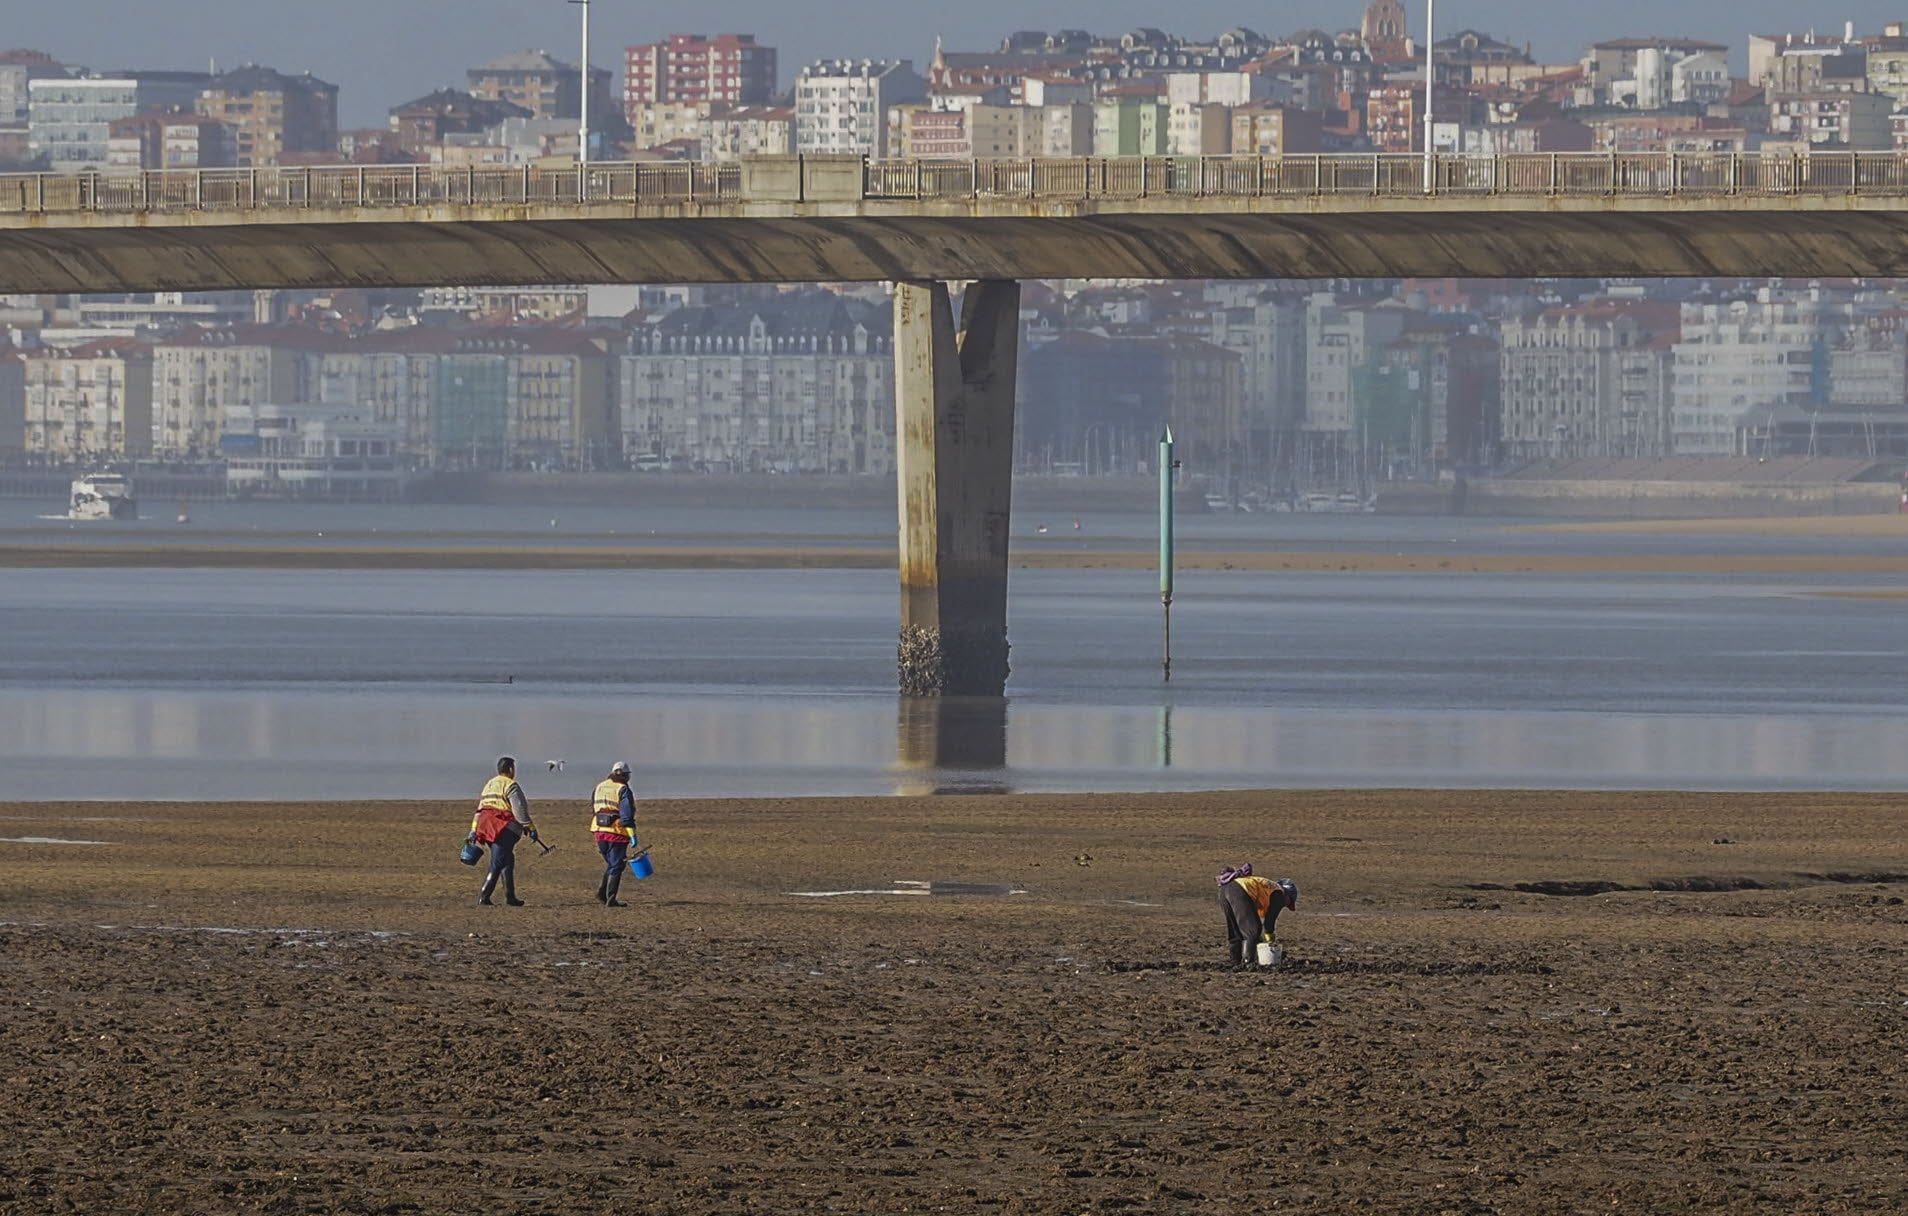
102,496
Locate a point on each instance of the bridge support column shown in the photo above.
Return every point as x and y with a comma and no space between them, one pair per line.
954,440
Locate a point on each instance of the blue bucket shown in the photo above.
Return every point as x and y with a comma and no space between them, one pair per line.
640,865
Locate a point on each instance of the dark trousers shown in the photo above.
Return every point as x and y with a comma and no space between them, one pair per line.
615,855
503,863
1243,926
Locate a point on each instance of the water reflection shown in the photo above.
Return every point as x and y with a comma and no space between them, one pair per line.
951,745
179,744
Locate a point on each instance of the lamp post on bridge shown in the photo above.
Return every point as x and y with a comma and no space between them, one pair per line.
583,81
1430,82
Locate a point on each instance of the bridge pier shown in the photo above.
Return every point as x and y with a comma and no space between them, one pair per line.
954,448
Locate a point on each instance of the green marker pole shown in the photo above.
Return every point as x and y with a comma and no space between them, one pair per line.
1166,467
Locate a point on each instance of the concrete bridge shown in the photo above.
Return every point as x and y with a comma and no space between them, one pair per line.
845,219
919,224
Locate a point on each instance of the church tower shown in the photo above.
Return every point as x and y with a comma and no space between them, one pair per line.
1384,29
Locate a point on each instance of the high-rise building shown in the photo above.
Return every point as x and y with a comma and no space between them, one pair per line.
540,83
70,120
271,113
87,402
1737,360
1588,380
199,374
841,106
731,69
18,69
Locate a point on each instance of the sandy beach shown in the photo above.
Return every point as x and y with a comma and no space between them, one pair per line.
1499,1002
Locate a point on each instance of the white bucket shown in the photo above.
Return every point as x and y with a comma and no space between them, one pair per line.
1270,955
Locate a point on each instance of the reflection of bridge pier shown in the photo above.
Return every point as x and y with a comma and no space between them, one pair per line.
954,440
938,735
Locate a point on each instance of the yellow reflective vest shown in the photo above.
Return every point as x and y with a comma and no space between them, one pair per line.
606,808
496,795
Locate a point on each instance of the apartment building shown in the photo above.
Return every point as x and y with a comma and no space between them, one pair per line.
798,383
728,69
18,69
70,119
424,122
272,114
90,401
199,375
1588,380
842,106
170,139
1739,359
540,83
1338,339
1842,121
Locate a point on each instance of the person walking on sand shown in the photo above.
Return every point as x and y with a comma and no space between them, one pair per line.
1252,907
613,820
502,819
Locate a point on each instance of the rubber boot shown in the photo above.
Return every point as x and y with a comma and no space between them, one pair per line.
510,892
483,896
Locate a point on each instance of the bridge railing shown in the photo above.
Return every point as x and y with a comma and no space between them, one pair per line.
787,179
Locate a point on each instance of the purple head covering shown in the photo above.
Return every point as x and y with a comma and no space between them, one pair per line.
1242,870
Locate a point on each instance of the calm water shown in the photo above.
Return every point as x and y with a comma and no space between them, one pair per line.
149,683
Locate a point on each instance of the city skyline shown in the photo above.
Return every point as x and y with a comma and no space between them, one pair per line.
410,57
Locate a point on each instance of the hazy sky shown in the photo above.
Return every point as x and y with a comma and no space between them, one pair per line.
382,52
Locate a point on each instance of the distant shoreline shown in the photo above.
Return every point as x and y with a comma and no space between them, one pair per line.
498,556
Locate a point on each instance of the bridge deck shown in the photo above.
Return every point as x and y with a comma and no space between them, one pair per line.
791,219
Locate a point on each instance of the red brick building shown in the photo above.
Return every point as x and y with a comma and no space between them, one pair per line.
688,68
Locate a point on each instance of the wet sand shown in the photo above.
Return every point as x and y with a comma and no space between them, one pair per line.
1894,525
1496,1002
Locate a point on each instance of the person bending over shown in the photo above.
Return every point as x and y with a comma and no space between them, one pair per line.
1252,907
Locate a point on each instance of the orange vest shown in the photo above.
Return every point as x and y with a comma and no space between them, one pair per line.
1262,890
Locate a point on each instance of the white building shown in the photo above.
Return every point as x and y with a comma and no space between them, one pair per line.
199,375
1198,129
1337,339
1066,129
70,121
89,402
297,451
1869,367
841,106
1672,75
1217,88
1587,380
1737,359
1268,334
793,385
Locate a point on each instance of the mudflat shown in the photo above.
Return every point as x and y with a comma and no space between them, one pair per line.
1494,1002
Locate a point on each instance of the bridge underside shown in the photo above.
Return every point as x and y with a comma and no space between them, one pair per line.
178,254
